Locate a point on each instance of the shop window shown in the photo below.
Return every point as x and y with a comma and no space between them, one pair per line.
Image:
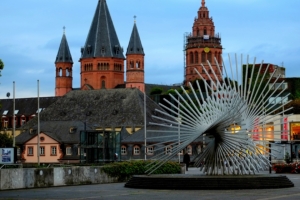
295,131
136,150
53,151
123,150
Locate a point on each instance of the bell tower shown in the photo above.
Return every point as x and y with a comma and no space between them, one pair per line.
135,61
63,66
102,59
202,45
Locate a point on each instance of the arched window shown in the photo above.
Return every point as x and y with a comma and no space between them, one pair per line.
67,72
60,72
196,57
191,58
209,57
205,31
131,64
136,150
198,32
138,64
203,57
219,58
123,150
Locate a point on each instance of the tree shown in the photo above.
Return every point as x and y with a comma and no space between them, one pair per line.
156,90
1,66
5,140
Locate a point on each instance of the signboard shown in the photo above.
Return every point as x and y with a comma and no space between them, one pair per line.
206,37
7,155
284,135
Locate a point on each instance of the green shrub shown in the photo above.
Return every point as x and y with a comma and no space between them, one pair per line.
156,90
124,170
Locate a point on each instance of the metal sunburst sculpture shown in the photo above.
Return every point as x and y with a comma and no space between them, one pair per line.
228,114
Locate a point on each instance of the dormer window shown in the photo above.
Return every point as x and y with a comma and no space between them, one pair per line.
16,112
117,49
73,129
5,112
103,50
89,49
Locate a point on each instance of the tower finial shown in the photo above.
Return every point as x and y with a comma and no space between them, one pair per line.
64,28
134,18
203,3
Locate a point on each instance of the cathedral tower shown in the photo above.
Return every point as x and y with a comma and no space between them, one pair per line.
102,59
202,45
63,65
135,61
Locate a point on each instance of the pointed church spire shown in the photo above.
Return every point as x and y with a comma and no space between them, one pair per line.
64,54
102,40
135,45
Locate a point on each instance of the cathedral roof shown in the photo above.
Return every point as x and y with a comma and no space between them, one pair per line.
97,108
135,45
64,54
102,39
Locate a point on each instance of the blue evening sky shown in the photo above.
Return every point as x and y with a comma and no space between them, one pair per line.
31,32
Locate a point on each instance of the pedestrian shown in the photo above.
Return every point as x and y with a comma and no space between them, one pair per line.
186,160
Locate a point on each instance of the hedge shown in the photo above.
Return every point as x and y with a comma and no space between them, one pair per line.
124,170
287,168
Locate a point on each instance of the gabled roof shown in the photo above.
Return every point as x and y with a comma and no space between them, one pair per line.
135,45
64,54
102,40
57,130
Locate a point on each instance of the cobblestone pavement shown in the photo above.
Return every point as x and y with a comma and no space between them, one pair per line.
116,191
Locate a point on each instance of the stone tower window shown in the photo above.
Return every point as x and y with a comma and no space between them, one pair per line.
203,57
191,58
138,64
196,57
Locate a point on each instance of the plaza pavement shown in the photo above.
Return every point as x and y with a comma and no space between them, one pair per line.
117,191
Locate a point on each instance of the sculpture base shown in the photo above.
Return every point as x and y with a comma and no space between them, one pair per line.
204,182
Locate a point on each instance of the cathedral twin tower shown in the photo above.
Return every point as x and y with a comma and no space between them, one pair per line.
102,59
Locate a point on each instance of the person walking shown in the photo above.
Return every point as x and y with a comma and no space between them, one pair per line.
186,160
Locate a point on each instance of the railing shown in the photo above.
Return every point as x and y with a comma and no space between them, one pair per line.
4,165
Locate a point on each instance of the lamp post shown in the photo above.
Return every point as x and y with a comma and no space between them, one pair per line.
38,119
14,120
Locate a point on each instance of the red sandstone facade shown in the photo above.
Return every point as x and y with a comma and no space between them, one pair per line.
101,73
135,72
203,45
63,79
